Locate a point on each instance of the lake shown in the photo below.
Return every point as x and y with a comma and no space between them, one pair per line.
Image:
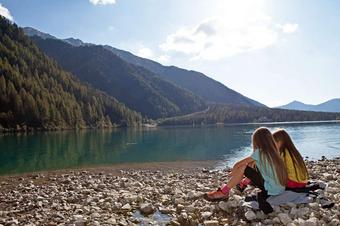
68,149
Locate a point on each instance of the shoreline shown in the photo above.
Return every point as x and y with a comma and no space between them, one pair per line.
175,166
147,195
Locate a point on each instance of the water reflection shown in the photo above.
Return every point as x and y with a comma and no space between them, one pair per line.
58,150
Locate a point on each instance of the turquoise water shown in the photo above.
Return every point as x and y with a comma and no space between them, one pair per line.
59,150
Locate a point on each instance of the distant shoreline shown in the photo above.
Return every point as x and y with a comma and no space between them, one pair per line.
153,126
253,123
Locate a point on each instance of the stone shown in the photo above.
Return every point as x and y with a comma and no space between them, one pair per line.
111,221
294,211
284,218
190,209
95,215
79,220
314,205
223,205
250,215
234,201
174,223
291,224
335,222
146,208
313,221
211,223
206,214
126,207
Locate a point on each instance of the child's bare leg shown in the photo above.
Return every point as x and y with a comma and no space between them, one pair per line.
237,176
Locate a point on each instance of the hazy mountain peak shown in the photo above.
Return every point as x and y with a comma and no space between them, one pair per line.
332,105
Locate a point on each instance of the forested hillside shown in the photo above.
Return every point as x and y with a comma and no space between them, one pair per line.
36,93
138,88
197,82
244,114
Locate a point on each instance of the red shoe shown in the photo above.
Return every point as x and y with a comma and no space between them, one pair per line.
216,195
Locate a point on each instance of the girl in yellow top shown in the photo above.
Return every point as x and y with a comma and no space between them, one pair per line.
295,165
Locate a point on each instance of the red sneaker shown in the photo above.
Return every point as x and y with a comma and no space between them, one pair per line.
216,195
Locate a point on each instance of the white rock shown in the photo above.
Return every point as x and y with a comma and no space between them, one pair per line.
206,214
250,215
126,207
314,205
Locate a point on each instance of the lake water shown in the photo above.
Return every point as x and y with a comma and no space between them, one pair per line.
59,150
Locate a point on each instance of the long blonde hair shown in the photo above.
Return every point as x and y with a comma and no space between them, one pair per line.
269,155
287,144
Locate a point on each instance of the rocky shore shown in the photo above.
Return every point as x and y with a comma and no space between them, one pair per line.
150,197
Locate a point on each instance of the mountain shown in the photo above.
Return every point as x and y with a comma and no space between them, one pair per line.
30,31
36,93
135,86
74,42
328,106
196,82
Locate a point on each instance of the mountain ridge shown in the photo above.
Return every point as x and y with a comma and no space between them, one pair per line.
135,86
332,105
198,83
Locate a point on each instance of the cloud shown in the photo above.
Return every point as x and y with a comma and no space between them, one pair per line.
5,12
163,59
102,2
289,28
145,52
237,27
148,53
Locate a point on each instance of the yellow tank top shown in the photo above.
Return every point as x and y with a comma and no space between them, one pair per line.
294,172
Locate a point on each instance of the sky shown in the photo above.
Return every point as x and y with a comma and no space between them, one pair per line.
273,51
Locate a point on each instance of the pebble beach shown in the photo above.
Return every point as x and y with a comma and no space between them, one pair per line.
161,194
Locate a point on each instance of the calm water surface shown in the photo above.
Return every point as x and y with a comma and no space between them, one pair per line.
59,150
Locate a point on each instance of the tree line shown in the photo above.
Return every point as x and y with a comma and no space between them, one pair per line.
36,93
